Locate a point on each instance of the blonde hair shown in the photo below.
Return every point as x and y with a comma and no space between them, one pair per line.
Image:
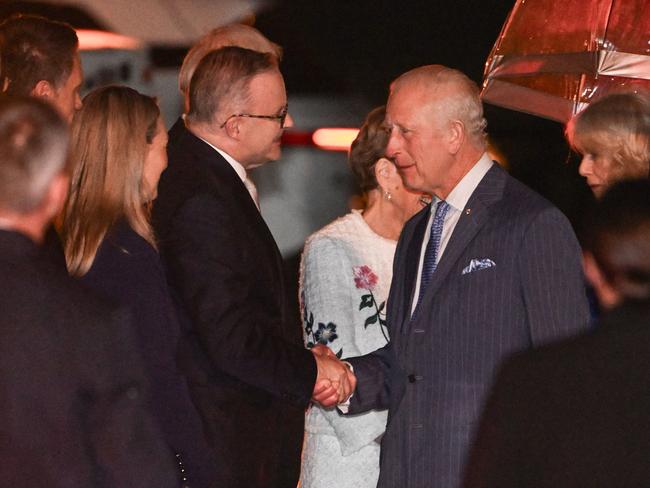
239,35
617,125
109,137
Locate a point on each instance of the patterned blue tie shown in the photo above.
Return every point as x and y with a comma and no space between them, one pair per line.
431,252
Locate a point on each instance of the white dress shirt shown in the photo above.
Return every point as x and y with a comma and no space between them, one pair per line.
457,200
241,172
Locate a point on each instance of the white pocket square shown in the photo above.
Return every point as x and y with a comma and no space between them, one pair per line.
478,264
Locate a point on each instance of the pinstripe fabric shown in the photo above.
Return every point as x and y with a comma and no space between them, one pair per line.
435,373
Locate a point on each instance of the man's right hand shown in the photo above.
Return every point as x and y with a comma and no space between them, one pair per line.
335,382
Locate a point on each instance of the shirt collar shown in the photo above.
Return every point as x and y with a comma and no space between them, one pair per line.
236,165
462,192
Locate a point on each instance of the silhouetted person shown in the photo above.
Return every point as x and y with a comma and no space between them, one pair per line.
577,413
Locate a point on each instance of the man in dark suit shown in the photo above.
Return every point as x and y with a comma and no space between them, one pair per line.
489,268
577,413
248,373
71,408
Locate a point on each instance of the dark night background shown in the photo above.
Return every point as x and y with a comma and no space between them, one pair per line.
356,47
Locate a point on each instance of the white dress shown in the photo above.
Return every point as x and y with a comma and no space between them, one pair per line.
345,278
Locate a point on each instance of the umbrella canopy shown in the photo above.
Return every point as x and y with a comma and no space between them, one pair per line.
164,22
554,56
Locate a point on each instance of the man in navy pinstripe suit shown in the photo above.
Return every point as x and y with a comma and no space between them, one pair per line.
507,276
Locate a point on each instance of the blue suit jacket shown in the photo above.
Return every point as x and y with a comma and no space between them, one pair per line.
434,374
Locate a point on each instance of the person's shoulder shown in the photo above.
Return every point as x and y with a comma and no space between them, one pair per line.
72,295
522,206
340,229
525,197
336,238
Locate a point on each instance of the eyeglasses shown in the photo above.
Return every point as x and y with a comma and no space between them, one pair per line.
281,117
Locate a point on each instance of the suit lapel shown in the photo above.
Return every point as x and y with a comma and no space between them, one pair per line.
234,190
474,216
413,246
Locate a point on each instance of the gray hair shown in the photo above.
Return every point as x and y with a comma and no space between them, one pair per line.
221,81
229,35
456,97
34,149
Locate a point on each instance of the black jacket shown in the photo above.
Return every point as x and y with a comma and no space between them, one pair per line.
249,375
127,270
576,413
72,387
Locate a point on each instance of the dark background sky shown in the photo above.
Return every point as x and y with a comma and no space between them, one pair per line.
357,47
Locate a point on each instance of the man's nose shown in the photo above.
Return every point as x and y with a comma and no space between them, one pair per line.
392,148
288,122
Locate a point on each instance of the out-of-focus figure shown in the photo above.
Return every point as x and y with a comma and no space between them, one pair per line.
118,152
72,412
40,57
613,136
345,277
575,413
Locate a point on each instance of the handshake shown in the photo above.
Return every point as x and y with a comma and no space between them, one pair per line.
335,382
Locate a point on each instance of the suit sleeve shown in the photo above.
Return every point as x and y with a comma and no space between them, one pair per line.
552,280
327,281
205,262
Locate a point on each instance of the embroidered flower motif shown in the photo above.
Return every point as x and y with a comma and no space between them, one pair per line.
364,278
325,333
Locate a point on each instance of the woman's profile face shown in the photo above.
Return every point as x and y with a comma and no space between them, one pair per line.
599,170
155,161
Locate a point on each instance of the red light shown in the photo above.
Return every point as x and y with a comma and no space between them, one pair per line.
95,39
334,139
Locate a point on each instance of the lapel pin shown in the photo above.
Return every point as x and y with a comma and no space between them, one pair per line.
468,211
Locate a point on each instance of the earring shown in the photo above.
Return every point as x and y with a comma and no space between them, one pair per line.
387,195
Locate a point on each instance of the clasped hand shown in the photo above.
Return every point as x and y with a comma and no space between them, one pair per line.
335,382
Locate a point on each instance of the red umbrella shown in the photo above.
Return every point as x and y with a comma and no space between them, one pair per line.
554,56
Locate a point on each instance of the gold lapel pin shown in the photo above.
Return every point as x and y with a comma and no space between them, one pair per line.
468,211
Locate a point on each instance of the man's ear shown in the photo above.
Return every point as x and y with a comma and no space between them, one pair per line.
43,89
455,136
233,127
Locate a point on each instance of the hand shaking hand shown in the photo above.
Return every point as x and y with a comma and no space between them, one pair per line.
335,382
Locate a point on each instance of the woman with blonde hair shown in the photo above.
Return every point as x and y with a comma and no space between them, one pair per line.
613,136
119,151
345,276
